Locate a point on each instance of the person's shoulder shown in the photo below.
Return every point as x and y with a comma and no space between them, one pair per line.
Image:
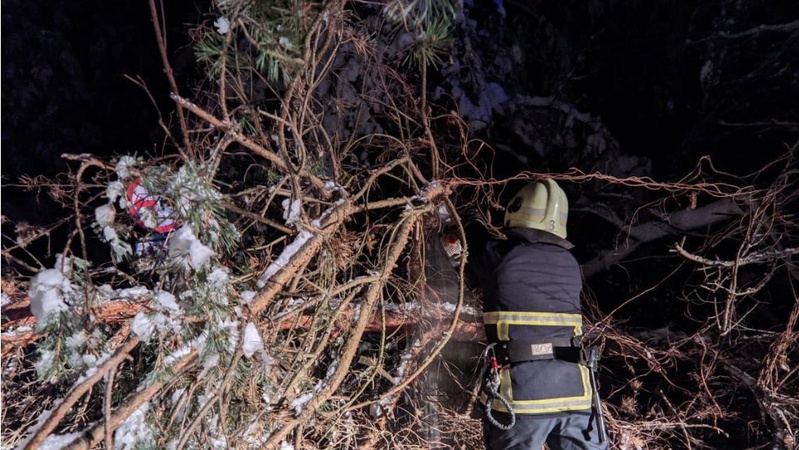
532,236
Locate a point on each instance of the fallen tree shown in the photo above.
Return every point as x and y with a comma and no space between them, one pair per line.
297,296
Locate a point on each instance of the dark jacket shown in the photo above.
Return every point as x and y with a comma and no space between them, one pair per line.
531,288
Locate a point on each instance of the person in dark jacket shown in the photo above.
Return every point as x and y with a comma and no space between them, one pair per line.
531,288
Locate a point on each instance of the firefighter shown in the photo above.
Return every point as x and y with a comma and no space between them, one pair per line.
539,386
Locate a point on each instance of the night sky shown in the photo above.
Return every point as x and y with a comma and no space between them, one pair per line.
64,88
637,67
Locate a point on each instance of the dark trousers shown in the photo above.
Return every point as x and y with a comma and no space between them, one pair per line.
567,431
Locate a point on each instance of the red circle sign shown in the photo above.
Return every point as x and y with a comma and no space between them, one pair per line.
142,203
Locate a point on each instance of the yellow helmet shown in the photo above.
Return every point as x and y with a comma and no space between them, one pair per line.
541,206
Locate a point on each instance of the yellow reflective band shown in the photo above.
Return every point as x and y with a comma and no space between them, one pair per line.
532,318
548,406
505,385
557,405
503,319
533,213
502,331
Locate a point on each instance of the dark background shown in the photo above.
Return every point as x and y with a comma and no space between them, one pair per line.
636,65
64,88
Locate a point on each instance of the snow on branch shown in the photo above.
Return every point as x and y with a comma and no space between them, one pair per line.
673,224
780,27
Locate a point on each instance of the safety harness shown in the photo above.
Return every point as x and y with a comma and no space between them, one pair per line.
502,353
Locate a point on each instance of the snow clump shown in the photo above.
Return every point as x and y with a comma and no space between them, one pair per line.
248,296
166,319
114,191
252,340
48,291
185,244
167,302
291,210
134,431
284,258
105,216
222,25
124,165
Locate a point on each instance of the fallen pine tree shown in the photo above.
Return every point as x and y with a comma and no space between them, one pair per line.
275,279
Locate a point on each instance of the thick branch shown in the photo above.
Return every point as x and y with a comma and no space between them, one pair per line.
123,310
372,296
753,258
780,27
96,434
680,221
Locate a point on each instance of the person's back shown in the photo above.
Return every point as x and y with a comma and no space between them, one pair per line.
531,311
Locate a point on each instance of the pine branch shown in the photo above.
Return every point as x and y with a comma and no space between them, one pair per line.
77,391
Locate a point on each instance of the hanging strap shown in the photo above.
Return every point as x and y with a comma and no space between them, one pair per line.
589,357
491,388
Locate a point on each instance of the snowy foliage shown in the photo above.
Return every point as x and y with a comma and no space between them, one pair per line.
185,248
58,301
198,287
134,431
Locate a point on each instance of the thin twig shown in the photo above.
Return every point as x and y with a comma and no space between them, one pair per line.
109,390
159,35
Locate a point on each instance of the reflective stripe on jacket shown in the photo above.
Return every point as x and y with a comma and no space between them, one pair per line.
531,292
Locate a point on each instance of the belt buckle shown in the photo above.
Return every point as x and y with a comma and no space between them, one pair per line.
541,349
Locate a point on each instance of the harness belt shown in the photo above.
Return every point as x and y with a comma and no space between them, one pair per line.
513,351
567,349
